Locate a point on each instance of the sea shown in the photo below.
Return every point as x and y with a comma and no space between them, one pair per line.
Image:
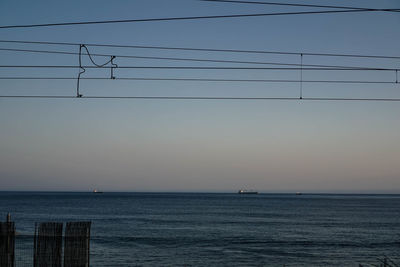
217,229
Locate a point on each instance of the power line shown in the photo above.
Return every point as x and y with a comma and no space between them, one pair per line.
202,49
202,98
204,80
195,68
178,59
290,4
192,18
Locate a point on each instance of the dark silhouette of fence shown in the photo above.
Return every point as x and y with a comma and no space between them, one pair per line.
7,244
76,245
47,244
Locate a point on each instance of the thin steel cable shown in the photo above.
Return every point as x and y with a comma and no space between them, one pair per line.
301,76
204,98
203,80
92,60
192,18
82,70
288,4
196,68
202,49
180,59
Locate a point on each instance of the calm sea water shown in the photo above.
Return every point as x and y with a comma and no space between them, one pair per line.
178,229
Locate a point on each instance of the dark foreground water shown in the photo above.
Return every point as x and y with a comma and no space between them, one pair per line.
168,229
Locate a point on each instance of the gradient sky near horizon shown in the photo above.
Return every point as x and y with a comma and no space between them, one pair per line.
200,145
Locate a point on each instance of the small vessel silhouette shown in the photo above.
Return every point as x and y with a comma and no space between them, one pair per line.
242,191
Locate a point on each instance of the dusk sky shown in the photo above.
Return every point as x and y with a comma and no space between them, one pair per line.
200,145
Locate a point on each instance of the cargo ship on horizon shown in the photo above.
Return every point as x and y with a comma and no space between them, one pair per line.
241,191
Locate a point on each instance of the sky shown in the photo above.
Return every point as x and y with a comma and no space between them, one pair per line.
200,145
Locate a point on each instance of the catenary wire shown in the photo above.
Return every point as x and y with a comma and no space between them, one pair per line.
201,49
196,68
203,98
192,18
288,4
176,59
203,80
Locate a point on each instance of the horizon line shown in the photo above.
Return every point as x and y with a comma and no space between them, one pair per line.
381,192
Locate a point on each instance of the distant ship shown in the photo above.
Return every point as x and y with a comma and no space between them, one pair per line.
247,192
97,192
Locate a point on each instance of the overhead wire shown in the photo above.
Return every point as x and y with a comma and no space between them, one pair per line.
204,98
289,4
319,67
204,80
92,60
82,70
114,66
194,18
198,68
176,59
202,49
